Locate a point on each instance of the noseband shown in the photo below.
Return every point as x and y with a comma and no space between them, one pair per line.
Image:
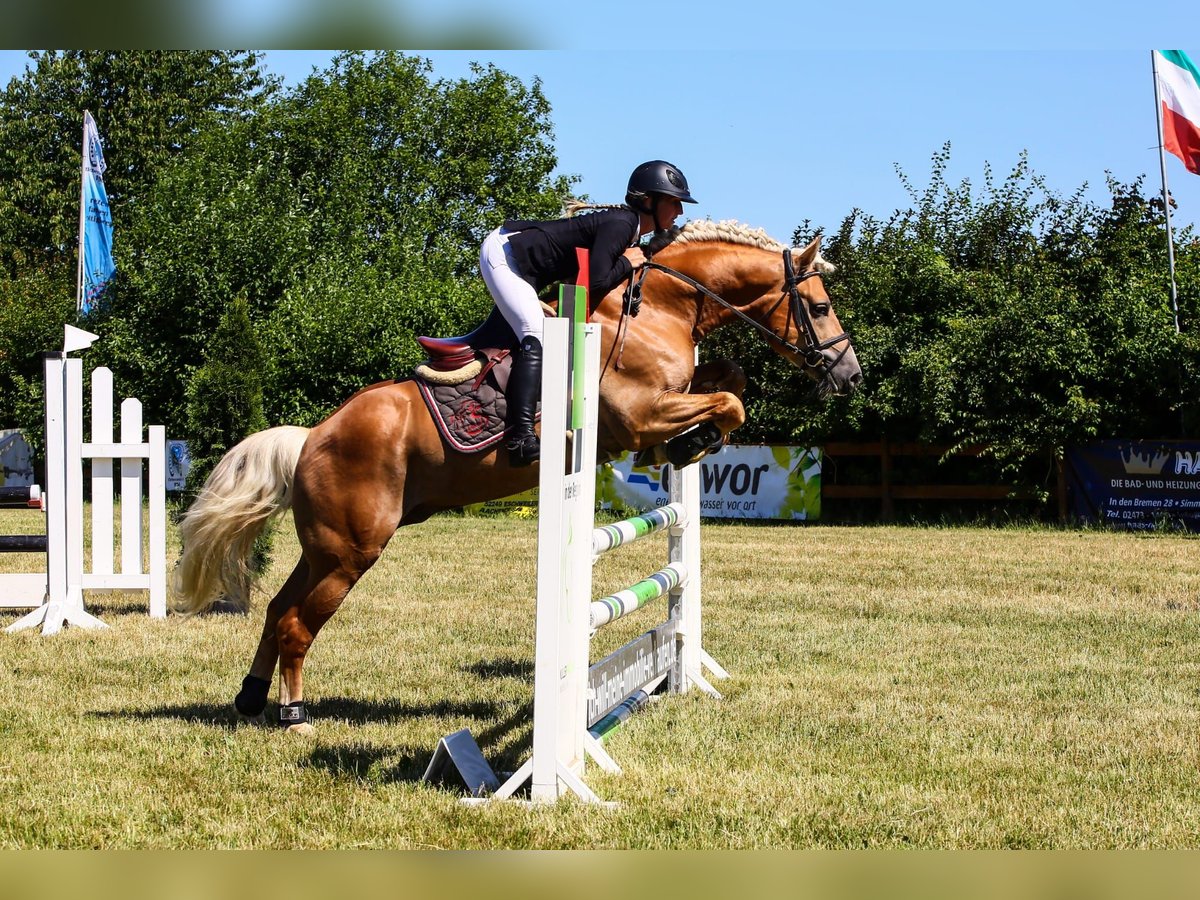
812,353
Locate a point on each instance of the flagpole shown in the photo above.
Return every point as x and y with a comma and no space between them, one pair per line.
1162,165
83,161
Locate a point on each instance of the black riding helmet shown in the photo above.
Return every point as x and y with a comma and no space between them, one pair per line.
658,177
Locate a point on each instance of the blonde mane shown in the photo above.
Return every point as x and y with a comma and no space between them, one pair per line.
729,231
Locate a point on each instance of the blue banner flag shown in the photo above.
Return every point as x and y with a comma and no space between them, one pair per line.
95,236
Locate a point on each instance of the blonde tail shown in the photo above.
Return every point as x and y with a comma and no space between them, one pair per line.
251,484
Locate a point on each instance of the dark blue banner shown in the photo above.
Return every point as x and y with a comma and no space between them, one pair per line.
1137,484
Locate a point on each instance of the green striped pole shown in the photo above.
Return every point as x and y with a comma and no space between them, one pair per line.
609,537
622,603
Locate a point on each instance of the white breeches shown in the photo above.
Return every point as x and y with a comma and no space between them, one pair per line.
515,297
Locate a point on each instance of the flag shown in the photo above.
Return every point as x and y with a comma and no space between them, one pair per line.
1179,89
95,234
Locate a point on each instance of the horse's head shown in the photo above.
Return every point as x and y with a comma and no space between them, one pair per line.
742,274
811,335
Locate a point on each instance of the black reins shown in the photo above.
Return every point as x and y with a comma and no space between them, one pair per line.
812,353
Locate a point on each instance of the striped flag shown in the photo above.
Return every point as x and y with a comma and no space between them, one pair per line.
1179,90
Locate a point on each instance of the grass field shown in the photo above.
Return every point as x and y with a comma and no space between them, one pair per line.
892,687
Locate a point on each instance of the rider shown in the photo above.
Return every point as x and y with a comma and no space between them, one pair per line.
521,258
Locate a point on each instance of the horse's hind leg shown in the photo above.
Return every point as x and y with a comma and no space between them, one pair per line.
295,631
305,602
340,545
348,501
252,698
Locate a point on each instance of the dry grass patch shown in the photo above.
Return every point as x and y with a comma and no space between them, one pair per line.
891,687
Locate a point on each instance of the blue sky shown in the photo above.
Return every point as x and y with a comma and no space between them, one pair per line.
774,138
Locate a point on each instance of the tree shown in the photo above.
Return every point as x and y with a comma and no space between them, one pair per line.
225,396
1009,317
32,312
348,212
151,106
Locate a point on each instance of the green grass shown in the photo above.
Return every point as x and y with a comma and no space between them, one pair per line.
892,687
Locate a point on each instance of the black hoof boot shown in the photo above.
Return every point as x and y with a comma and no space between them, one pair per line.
252,698
689,445
293,715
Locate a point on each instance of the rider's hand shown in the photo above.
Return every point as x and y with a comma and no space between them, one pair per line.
635,256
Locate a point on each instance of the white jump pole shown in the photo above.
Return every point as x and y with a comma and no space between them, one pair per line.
566,497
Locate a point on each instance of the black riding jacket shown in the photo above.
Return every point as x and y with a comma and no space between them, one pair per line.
545,251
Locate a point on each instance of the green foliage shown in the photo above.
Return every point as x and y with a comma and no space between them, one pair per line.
225,395
151,107
1009,317
348,212
32,311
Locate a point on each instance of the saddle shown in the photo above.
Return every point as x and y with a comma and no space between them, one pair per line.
463,383
455,359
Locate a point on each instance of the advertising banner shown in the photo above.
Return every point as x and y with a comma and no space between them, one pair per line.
178,463
739,482
96,227
1136,484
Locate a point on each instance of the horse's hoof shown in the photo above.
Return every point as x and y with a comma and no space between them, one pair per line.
650,456
258,721
691,446
304,729
251,701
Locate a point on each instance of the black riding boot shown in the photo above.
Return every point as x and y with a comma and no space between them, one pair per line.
524,386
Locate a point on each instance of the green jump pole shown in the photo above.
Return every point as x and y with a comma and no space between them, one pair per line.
573,303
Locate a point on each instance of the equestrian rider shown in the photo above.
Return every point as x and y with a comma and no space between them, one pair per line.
521,258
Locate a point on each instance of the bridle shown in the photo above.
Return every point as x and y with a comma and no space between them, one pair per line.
812,353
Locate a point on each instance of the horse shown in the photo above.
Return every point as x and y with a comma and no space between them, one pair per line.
378,463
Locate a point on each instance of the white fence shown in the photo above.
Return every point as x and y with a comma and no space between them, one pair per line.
116,467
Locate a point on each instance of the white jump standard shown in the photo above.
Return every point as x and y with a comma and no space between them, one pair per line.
571,696
59,591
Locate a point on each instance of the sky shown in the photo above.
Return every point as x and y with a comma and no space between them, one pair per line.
772,139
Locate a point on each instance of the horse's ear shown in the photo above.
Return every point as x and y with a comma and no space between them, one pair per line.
803,257
806,259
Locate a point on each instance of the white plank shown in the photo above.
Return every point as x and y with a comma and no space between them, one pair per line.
131,489
102,471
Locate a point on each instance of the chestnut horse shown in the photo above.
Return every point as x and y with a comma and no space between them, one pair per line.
378,462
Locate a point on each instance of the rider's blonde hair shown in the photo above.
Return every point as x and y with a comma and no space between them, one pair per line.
574,207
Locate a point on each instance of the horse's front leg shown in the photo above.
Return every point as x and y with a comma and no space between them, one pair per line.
708,412
721,375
